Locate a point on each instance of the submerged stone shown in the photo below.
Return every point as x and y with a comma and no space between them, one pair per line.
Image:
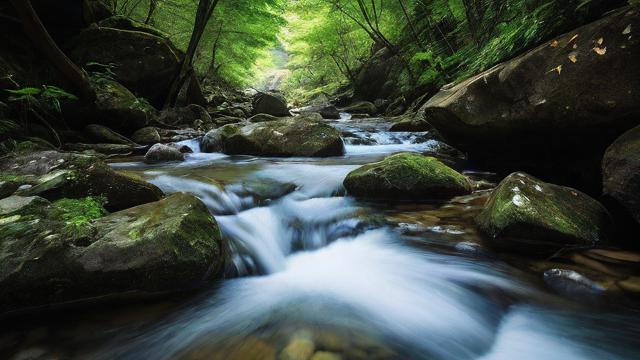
526,214
407,176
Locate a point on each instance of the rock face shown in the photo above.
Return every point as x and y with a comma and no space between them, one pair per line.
281,138
144,63
161,152
621,172
407,176
52,255
68,175
270,103
361,107
580,88
526,214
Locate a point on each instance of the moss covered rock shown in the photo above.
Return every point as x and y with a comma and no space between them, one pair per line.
526,214
283,138
262,118
410,122
146,136
68,175
270,103
361,107
214,140
144,63
621,172
72,250
406,176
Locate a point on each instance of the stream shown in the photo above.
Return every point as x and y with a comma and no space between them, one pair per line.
315,271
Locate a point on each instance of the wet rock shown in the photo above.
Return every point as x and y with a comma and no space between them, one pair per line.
167,245
177,135
214,140
361,107
572,284
226,120
621,172
265,190
270,103
161,152
526,214
325,355
67,175
325,111
406,176
104,135
282,138
146,136
144,63
565,100
262,118
412,122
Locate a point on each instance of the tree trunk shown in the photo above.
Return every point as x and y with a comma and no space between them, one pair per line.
36,31
153,4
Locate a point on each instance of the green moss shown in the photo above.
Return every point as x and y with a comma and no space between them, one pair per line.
80,212
407,175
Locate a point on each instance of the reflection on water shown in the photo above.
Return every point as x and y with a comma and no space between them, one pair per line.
324,275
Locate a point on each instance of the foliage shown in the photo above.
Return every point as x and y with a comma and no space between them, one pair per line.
80,212
47,98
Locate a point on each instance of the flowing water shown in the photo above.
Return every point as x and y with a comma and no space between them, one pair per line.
316,271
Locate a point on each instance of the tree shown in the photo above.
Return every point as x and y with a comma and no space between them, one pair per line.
186,72
36,31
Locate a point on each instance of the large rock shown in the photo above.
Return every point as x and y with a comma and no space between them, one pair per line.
65,251
161,152
361,107
144,63
621,172
282,138
184,116
69,175
407,176
146,136
115,107
326,111
554,109
262,118
270,103
525,214
413,122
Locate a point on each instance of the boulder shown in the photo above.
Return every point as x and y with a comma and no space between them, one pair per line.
621,172
115,107
146,136
226,120
326,111
270,103
104,135
526,214
69,175
361,107
161,152
71,250
144,63
411,122
284,138
554,109
407,176
262,118
214,140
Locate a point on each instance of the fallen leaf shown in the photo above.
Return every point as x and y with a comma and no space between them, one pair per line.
600,41
627,31
558,69
554,43
573,57
573,37
600,51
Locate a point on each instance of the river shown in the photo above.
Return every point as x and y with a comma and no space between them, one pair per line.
315,271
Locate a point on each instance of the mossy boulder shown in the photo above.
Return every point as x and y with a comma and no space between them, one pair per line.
271,103
361,107
69,175
144,63
284,138
161,152
146,136
407,176
621,172
215,140
526,214
262,118
71,250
